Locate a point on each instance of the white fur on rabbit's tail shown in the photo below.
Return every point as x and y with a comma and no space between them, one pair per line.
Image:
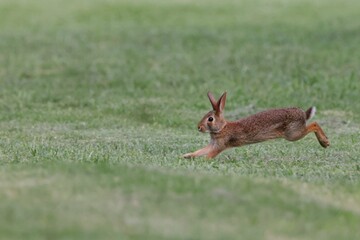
310,112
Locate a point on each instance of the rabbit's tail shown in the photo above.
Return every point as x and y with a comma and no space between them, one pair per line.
310,112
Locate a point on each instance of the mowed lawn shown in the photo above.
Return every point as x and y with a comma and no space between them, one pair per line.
100,99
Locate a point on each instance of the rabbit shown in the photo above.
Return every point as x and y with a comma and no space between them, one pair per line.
288,123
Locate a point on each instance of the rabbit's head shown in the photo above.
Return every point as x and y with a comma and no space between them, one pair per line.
214,121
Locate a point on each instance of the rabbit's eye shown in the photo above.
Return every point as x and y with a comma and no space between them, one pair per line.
210,119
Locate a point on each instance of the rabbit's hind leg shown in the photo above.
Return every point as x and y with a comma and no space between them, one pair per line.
320,135
296,132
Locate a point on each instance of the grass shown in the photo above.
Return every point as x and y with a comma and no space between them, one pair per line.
99,100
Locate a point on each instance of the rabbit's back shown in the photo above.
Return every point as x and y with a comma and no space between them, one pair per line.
273,117
269,124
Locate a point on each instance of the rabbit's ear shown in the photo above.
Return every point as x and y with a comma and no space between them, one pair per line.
213,102
221,103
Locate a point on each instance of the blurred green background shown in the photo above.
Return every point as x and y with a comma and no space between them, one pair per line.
100,99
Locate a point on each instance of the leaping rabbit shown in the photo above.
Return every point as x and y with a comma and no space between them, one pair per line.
288,123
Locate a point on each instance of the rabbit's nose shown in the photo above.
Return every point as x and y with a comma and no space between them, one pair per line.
199,128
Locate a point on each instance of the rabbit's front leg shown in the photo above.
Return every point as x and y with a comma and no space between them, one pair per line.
203,151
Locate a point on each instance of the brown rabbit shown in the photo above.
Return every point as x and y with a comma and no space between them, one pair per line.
288,123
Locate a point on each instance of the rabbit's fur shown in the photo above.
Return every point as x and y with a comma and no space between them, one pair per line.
288,123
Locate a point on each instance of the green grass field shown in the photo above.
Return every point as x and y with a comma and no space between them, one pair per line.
100,99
